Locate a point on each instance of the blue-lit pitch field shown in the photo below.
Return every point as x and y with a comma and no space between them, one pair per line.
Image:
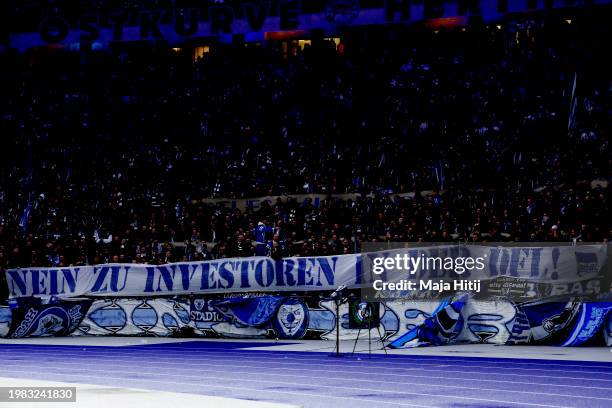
265,374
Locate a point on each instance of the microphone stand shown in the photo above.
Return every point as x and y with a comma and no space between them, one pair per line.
338,299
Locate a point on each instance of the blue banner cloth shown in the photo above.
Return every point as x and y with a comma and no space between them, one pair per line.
32,318
547,319
591,317
249,311
608,331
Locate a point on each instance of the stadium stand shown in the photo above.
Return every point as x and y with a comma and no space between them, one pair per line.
200,216
111,153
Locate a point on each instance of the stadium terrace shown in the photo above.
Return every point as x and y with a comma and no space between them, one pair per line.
193,208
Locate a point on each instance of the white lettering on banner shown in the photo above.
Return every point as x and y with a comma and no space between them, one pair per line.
562,266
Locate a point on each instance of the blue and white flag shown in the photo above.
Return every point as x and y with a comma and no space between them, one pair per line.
249,311
547,319
442,327
573,105
591,317
608,331
23,222
32,319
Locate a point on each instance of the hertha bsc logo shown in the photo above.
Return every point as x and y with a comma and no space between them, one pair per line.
199,304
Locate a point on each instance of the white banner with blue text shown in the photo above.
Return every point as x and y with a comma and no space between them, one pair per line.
561,266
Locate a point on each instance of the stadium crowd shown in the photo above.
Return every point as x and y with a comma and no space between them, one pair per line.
499,133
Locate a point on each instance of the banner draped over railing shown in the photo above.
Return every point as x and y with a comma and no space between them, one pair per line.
563,267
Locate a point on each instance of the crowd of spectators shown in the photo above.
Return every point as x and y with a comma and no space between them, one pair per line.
493,133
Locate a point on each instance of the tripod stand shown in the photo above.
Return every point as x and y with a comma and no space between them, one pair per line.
367,320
